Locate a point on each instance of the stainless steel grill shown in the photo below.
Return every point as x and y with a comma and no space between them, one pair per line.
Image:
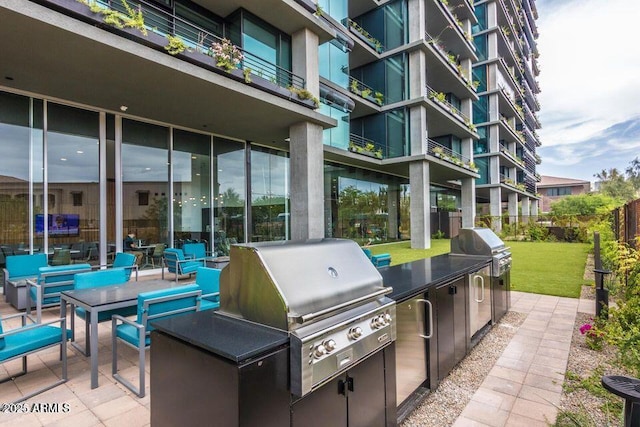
325,293
483,242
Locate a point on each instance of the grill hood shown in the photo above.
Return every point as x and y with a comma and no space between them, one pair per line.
477,241
290,283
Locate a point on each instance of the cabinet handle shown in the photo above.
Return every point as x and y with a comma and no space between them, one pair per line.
481,287
428,304
349,383
341,388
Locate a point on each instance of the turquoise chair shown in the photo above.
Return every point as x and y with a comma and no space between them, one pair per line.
195,251
208,279
45,290
21,267
152,306
96,279
177,264
126,261
380,260
28,339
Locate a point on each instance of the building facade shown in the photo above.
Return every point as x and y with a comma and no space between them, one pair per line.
244,120
505,114
553,188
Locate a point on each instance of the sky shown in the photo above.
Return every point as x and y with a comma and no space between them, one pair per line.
590,82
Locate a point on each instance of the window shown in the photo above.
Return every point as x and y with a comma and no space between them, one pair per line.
77,198
559,191
143,198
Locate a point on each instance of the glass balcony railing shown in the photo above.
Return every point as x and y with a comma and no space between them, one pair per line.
186,37
366,92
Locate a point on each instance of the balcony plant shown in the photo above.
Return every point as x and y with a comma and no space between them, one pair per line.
175,46
226,54
368,149
304,94
132,19
379,97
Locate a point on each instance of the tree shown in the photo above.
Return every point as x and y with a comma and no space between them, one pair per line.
633,173
585,204
614,184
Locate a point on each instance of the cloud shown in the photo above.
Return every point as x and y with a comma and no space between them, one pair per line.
589,67
613,147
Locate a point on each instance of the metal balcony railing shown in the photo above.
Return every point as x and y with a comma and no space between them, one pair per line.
361,89
438,150
201,40
368,147
441,98
364,35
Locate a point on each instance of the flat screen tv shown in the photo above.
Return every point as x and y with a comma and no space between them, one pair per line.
58,224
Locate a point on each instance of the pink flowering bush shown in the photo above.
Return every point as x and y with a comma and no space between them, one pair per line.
594,335
226,54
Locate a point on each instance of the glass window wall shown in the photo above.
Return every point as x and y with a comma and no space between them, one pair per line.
338,136
270,206
191,159
73,166
334,63
145,168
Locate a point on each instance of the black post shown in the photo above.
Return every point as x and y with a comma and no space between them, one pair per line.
596,250
602,294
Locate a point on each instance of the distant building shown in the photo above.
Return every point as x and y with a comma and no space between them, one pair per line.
553,188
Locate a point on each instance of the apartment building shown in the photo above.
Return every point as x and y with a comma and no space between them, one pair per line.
244,120
505,114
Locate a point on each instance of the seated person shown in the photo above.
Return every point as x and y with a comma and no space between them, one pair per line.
131,246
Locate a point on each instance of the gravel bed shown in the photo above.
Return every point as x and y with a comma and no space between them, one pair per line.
443,406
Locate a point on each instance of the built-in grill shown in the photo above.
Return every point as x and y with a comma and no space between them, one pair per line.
483,242
325,293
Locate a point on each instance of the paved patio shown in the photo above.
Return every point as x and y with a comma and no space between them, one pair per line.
521,389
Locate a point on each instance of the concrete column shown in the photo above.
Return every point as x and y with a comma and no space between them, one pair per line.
495,208
307,183
417,22
534,209
468,201
513,208
418,130
524,209
304,56
393,206
417,74
420,206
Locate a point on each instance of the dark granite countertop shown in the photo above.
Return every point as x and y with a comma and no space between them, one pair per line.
233,339
415,277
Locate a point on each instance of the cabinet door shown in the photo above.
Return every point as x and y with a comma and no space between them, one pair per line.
326,406
366,393
444,324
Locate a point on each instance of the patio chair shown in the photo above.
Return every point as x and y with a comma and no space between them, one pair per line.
156,255
45,290
96,279
125,261
195,251
208,279
28,339
152,306
19,268
177,264
61,257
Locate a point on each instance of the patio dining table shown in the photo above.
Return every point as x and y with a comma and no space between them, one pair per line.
96,300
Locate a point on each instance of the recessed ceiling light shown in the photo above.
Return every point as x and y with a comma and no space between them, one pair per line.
80,152
63,159
123,108
147,169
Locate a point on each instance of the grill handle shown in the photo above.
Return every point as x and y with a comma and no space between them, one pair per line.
428,304
308,317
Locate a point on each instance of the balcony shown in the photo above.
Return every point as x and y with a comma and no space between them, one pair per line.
513,184
364,36
449,60
441,99
444,153
191,43
512,159
365,92
367,147
440,17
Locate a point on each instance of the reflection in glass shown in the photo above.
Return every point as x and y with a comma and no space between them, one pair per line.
145,169
191,187
269,195
229,194
73,220
365,206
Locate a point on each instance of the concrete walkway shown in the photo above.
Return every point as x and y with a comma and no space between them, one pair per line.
525,385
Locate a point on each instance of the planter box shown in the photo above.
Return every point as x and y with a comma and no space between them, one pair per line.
365,153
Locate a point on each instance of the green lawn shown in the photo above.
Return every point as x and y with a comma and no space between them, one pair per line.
548,268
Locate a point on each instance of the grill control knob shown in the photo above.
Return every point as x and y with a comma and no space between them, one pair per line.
387,317
378,322
355,333
329,345
319,351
